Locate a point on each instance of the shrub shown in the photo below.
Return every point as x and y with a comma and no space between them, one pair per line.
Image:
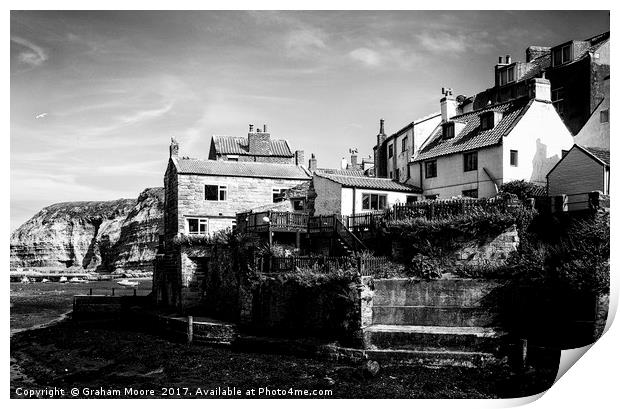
522,189
424,267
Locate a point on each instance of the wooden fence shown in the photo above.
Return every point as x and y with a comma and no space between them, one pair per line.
438,209
318,263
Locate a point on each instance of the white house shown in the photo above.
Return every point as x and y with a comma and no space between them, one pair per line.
474,153
595,132
581,170
351,195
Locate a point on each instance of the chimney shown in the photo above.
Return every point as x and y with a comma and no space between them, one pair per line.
174,148
299,158
381,135
312,163
508,59
343,163
448,105
259,142
354,159
534,51
540,89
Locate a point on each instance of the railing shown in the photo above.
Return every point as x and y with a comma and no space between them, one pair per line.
364,221
318,263
571,202
322,224
263,221
437,209
348,237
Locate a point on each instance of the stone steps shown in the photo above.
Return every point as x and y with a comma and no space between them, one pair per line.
437,357
433,316
421,338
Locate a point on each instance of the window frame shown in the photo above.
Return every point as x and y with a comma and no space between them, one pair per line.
470,161
201,221
468,193
433,174
448,130
375,201
390,150
557,99
279,195
559,52
604,114
515,162
219,189
487,121
507,75
404,144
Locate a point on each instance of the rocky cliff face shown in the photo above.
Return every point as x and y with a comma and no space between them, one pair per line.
102,236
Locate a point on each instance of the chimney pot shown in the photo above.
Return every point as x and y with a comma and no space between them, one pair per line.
312,163
265,128
500,59
251,128
508,59
174,148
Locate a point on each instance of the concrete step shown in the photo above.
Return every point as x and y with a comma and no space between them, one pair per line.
413,337
436,358
440,293
433,316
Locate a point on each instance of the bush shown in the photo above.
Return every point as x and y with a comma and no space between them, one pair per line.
522,189
424,267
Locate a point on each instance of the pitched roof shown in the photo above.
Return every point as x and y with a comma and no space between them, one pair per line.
600,154
343,172
238,145
370,183
471,136
241,169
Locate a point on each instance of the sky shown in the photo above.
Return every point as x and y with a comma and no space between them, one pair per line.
96,96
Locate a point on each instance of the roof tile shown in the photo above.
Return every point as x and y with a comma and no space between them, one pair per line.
369,183
238,145
241,169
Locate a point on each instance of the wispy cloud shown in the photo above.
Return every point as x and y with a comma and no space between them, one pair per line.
30,54
438,42
305,42
366,56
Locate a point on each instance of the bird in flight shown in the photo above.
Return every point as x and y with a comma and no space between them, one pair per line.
41,116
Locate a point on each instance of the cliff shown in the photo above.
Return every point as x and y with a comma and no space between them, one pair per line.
100,236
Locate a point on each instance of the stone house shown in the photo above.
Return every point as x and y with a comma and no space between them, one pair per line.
203,196
352,195
393,153
576,70
474,153
256,147
582,170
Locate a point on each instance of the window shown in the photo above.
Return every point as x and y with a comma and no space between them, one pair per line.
397,176
430,169
408,172
604,116
278,194
412,199
233,158
390,150
487,121
197,225
507,75
470,193
431,197
470,161
562,55
514,158
216,193
298,205
557,98
448,130
372,201
404,144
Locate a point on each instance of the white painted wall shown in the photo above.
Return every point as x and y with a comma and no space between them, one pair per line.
539,137
596,133
348,194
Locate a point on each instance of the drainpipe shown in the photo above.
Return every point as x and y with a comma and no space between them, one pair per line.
492,179
421,177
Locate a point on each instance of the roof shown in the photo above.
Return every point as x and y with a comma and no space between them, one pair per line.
241,169
599,153
298,191
238,145
343,172
412,124
471,137
370,183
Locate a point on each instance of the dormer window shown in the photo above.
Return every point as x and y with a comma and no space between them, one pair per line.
448,130
486,121
507,75
562,55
